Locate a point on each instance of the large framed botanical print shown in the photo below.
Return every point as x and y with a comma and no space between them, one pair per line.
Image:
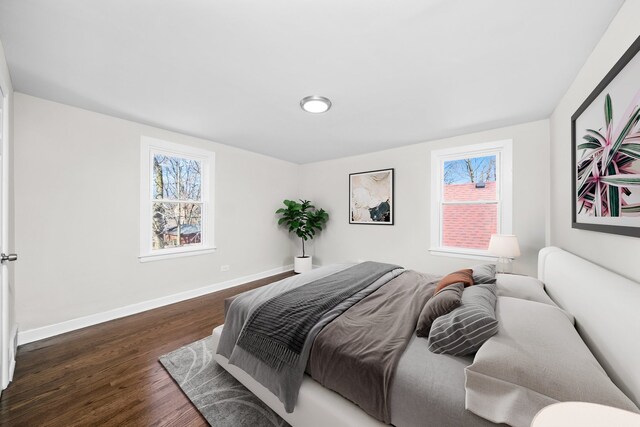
606,152
371,197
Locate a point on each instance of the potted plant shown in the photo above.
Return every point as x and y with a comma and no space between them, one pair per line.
304,220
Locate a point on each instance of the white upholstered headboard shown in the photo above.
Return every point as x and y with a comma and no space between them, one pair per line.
606,307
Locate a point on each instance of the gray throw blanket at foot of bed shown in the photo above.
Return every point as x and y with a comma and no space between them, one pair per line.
276,331
356,355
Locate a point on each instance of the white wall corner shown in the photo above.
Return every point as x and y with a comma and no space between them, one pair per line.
31,335
547,177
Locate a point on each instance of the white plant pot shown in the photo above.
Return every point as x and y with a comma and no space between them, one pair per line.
302,265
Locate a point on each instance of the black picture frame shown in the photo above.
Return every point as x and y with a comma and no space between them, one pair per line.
629,55
391,200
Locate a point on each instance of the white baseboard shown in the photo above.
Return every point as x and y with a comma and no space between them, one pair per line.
43,332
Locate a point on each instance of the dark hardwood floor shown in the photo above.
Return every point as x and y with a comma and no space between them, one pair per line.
109,374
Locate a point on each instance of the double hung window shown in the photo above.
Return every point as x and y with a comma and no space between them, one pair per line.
176,210
470,197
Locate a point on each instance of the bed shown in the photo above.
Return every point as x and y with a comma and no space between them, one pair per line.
597,300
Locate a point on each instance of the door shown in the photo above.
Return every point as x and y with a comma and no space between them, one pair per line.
6,345
4,309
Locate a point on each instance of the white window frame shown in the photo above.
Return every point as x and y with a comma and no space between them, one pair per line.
503,150
148,148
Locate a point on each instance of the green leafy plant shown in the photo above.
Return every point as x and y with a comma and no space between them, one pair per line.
303,219
606,171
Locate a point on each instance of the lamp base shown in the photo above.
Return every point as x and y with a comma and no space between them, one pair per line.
504,265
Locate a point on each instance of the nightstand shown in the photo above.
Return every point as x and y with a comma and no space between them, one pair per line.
583,414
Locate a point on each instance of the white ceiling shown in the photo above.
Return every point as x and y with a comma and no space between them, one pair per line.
234,71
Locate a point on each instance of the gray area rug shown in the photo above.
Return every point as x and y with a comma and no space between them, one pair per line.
219,397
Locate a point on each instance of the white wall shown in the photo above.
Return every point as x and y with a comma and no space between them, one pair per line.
407,242
618,253
77,215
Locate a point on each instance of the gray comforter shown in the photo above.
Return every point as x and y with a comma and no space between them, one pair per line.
284,382
356,355
277,329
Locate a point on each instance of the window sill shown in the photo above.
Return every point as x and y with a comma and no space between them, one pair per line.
177,254
463,253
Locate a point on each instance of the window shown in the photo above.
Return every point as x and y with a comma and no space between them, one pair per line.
176,207
470,197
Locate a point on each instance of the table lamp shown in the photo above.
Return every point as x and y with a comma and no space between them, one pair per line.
506,248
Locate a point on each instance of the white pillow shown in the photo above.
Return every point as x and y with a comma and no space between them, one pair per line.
536,359
525,287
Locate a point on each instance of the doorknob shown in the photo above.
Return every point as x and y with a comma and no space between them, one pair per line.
10,257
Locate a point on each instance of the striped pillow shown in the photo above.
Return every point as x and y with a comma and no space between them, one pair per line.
466,328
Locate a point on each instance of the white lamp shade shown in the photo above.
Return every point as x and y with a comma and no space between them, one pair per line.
504,245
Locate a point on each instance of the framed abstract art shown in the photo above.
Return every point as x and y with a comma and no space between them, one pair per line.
605,165
371,197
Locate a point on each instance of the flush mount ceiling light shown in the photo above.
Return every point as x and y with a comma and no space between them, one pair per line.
315,104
